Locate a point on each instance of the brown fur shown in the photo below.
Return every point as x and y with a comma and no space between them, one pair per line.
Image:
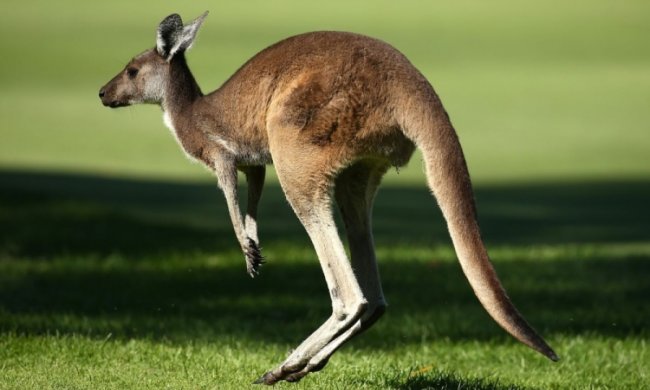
333,111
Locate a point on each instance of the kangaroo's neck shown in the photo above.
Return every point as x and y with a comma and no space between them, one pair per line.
182,89
203,125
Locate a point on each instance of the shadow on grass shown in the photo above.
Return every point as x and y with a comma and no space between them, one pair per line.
449,381
125,227
53,214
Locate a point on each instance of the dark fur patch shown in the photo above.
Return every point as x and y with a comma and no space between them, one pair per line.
325,138
304,103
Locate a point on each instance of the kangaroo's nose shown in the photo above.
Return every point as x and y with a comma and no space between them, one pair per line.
102,93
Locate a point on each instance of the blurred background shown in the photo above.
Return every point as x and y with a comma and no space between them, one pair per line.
554,91
107,232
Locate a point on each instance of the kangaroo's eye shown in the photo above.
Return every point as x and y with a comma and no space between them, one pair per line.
132,72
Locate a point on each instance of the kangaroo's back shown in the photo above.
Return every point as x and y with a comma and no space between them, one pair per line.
333,54
341,90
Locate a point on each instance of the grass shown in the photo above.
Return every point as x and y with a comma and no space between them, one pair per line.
104,276
119,268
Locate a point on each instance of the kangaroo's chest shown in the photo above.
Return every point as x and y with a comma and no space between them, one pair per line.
194,144
245,148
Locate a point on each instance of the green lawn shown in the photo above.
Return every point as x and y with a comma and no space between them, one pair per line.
119,268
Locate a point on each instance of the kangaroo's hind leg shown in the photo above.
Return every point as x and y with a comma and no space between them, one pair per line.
355,190
307,178
355,193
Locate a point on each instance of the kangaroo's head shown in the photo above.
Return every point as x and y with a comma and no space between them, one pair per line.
146,77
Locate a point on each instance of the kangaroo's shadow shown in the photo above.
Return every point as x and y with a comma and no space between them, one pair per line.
445,380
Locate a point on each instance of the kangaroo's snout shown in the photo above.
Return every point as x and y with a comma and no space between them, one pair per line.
106,101
110,100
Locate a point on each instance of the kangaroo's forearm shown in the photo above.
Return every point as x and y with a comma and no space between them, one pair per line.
246,233
226,173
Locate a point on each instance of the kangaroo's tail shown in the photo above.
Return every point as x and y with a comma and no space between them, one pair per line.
428,125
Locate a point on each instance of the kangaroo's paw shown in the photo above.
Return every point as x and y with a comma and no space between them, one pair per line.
291,373
313,354
285,372
254,258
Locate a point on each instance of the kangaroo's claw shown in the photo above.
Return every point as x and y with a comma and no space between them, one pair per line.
254,258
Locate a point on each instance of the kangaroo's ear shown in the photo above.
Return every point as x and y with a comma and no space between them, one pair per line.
173,37
168,34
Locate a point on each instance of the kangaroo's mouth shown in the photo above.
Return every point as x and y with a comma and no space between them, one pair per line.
115,104
118,104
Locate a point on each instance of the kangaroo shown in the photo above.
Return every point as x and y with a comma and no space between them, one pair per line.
332,111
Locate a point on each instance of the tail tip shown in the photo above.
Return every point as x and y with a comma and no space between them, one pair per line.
549,353
546,350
